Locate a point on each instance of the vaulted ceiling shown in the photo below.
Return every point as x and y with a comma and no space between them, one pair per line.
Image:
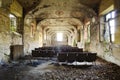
67,16
31,4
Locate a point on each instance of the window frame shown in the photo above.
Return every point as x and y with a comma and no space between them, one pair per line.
108,24
13,22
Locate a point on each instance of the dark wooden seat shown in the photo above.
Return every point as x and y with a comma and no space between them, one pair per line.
62,57
81,57
42,53
35,53
71,57
50,53
91,57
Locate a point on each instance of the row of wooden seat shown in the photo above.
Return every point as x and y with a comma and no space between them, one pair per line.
52,51
43,53
76,56
61,49
65,54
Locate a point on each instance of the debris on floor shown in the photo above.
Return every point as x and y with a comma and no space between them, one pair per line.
47,70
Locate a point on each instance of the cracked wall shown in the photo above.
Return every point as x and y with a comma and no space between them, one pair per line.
32,35
106,50
5,38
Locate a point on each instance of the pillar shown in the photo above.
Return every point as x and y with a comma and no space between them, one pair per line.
78,35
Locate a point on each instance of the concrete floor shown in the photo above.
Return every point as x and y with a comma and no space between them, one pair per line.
47,70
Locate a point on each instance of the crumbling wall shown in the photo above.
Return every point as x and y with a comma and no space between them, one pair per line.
16,38
106,50
5,38
31,35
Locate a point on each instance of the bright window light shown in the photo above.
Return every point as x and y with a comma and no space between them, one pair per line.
112,29
113,14
108,17
113,37
11,16
59,36
13,22
112,25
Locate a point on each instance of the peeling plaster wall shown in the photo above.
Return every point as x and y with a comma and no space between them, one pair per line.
107,51
16,38
30,42
31,36
5,38
5,42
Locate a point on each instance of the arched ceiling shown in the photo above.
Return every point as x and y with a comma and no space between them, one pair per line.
61,14
28,5
56,31
62,24
59,29
70,23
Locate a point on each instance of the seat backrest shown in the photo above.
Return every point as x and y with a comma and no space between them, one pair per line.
81,56
62,57
91,57
71,57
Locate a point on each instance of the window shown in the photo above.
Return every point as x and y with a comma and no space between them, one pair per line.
13,22
109,27
59,36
